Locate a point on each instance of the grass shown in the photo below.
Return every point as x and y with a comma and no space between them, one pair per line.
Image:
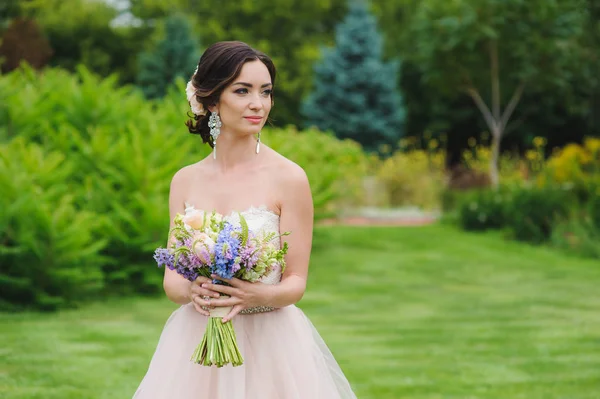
420,312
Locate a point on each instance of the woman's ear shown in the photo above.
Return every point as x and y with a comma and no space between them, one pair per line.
213,108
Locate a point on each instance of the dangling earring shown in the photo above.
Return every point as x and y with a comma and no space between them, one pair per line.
214,123
258,144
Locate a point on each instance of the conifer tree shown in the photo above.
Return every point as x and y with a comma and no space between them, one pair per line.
355,92
175,55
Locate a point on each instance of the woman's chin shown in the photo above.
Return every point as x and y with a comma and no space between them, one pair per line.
252,131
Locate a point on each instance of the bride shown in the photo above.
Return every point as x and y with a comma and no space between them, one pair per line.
231,95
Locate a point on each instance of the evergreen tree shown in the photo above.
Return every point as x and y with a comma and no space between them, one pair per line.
175,55
355,92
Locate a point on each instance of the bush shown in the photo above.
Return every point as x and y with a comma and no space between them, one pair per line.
414,177
124,152
593,209
534,211
577,166
50,251
538,201
483,209
119,153
528,212
577,237
334,167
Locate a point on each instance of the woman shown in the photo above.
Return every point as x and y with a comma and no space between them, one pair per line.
231,95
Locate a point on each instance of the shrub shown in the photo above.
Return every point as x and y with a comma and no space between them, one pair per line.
534,211
50,251
414,177
483,209
118,153
577,236
335,168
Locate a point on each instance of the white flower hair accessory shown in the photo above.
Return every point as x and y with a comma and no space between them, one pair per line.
190,92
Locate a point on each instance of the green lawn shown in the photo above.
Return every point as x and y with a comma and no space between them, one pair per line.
418,312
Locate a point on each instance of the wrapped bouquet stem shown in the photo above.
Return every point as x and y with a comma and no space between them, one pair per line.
219,344
203,244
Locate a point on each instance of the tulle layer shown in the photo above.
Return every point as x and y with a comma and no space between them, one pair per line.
284,358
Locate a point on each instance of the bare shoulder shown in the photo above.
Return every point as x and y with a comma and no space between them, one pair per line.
183,177
289,174
292,186
295,203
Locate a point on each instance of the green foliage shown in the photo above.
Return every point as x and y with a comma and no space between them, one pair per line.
85,32
484,209
594,209
355,92
578,237
123,154
8,10
289,31
494,51
414,177
244,233
528,212
534,212
50,250
174,56
113,153
335,168
539,49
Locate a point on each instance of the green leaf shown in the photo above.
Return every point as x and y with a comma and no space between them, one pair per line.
244,225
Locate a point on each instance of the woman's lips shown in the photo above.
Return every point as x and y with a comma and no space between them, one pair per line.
254,119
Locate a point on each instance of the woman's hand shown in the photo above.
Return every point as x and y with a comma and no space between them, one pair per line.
242,295
200,296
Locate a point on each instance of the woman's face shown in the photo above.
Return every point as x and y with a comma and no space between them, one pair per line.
245,104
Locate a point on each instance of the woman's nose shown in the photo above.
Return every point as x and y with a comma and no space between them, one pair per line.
255,103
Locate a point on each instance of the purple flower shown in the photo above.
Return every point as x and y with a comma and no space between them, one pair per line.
163,257
184,262
249,255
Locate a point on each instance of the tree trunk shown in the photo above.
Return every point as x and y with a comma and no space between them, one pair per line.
496,126
495,119
494,159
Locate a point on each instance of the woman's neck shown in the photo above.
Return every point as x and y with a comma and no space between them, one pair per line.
234,151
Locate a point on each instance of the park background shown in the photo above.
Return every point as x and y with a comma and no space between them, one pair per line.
453,150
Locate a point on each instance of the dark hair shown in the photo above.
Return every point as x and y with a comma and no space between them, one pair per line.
218,67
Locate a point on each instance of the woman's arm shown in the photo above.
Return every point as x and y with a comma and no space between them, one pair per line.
297,215
177,288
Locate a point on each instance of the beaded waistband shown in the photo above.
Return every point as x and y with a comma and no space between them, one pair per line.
258,309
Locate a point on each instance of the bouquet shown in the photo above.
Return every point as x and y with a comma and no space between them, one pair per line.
201,244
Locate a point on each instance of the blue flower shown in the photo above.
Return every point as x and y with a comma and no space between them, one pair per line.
226,251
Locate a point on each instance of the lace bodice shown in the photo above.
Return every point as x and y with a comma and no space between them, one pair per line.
259,219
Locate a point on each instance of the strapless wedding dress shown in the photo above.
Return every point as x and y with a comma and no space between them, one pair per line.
284,355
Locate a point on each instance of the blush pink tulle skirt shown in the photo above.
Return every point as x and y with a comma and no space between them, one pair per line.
284,358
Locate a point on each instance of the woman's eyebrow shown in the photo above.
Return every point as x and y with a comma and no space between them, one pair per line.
250,84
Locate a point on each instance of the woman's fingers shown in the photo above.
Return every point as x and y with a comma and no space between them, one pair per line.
222,302
200,310
202,280
236,309
204,301
205,292
199,290
234,282
223,289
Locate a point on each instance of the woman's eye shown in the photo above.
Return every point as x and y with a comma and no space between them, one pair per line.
241,91
268,92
